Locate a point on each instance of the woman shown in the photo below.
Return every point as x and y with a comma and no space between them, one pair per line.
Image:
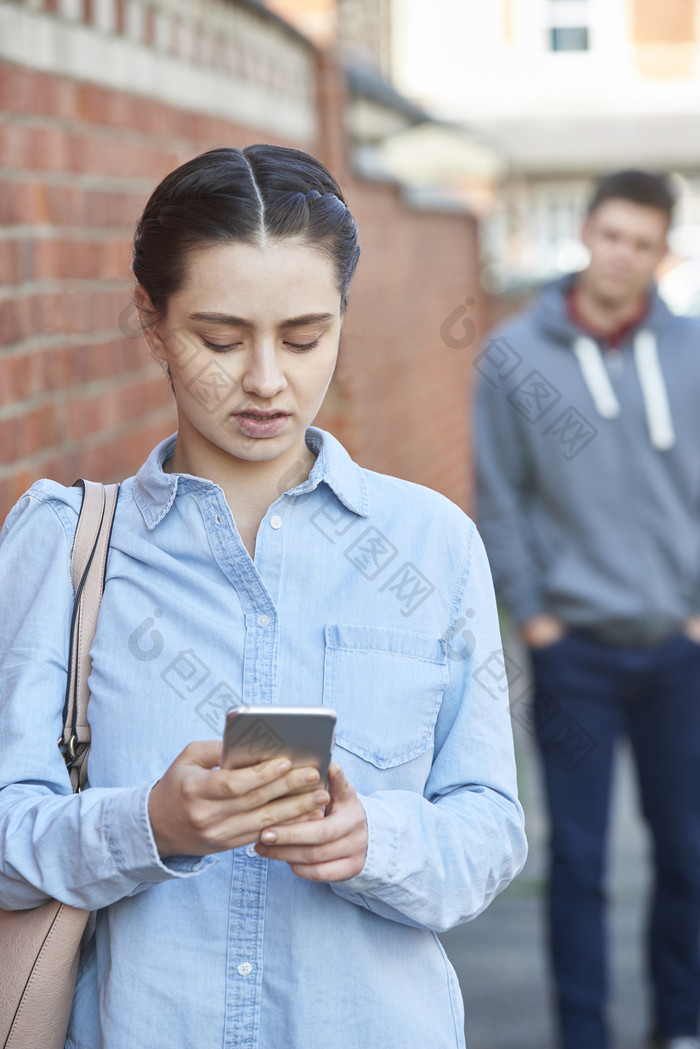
253,562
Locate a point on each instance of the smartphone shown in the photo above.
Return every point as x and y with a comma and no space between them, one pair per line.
256,734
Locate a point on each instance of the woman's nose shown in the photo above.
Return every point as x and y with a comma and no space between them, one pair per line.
264,375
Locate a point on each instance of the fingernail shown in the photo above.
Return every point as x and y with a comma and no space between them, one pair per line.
311,776
321,798
268,836
284,766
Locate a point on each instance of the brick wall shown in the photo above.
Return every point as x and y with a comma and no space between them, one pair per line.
401,389
79,394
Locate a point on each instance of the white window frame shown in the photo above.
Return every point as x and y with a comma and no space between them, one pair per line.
568,14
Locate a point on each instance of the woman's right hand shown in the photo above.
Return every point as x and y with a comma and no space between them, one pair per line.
198,808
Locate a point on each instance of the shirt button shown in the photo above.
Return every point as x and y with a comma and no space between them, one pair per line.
276,521
244,968
250,851
263,620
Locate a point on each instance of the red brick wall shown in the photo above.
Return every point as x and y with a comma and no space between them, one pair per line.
80,397
77,395
401,391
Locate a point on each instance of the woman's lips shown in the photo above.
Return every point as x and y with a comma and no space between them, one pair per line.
261,424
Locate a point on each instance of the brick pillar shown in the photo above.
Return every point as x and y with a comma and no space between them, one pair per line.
333,145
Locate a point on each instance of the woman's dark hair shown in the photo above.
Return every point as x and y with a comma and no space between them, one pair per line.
244,195
639,187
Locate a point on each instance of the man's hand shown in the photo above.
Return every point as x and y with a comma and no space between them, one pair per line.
542,630
329,849
691,628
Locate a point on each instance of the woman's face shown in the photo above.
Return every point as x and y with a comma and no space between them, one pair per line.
251,341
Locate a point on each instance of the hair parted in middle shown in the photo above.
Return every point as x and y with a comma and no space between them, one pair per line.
246,195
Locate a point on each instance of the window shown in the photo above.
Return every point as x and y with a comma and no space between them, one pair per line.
568,25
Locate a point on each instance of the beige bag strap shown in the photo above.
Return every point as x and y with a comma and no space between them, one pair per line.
88,567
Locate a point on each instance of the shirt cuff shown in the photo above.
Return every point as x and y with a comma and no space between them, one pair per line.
132,847
381,861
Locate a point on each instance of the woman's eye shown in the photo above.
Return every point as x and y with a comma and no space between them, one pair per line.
218,347
300,347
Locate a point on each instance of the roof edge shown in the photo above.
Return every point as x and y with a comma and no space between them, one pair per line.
365,82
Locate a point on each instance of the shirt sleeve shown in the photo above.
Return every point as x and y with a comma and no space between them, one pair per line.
437,860
86,849
501,495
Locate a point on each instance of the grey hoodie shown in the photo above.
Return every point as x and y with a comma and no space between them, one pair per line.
588,471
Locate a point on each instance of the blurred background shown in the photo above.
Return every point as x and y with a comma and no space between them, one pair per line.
466,135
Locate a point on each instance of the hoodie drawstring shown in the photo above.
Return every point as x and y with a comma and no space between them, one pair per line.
651,379
596,378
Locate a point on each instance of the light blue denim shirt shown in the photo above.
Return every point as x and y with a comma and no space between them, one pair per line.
367,593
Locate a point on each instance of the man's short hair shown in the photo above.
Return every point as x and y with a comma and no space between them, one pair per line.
639,187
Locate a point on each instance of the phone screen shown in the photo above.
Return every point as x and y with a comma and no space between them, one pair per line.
256,734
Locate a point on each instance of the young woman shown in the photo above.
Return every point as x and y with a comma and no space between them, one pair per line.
253,562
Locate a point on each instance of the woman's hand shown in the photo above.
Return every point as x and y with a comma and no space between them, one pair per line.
331,849
199,808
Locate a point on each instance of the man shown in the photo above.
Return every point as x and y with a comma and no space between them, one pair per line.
588,474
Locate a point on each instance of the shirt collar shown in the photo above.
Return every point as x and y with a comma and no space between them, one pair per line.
155,490
336,469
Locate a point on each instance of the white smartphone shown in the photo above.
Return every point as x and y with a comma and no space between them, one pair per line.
256,734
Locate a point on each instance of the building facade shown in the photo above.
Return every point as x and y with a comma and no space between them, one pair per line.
567,89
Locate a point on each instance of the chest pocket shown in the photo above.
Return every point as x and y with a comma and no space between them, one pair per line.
386,686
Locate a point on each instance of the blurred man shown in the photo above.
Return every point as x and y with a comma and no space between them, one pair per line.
588,468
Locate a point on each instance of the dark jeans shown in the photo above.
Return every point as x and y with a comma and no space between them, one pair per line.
586,695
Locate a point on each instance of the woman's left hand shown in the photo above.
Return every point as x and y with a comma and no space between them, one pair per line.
331,848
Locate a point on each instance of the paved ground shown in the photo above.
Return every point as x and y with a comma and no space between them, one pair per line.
500,956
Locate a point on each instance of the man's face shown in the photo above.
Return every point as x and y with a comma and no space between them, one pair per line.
626,242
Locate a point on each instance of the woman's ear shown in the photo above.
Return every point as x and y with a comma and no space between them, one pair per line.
149,320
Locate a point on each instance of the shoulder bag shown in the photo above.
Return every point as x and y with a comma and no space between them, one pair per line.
40,948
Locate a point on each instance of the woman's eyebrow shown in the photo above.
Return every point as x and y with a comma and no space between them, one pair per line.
308,318
220,318
240,322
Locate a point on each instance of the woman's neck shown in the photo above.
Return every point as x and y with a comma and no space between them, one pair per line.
249,486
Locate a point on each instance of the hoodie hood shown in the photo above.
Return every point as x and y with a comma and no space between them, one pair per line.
551,312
